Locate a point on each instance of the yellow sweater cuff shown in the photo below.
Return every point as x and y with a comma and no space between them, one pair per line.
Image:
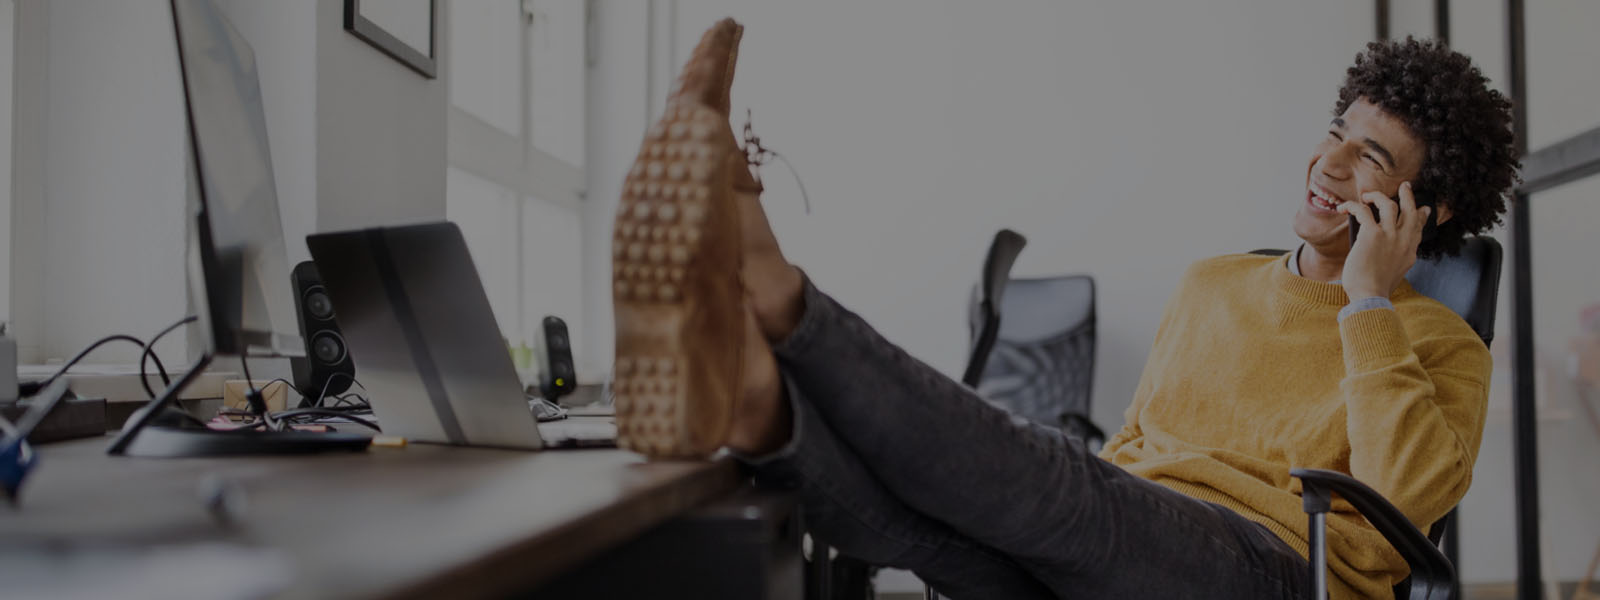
1373,339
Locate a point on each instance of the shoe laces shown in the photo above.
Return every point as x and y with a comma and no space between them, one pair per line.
757,155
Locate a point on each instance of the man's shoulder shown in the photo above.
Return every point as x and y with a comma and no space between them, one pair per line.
1429,318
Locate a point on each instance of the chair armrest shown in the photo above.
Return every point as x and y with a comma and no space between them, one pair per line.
1432,576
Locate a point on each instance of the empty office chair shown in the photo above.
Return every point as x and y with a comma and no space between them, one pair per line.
1042,362
1468,284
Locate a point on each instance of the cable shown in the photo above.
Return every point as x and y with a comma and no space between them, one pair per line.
324,393
253,395
150,354
343,399
323,412
33,387
286,383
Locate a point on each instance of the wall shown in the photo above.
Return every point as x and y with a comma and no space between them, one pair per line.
110,237
30,86
284,37
920,129
97,230
380,131
619,93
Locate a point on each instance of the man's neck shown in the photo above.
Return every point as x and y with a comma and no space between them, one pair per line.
1317,266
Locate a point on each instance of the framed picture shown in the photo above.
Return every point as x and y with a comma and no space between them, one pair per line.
406,30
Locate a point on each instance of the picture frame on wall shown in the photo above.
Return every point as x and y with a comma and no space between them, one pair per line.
406,30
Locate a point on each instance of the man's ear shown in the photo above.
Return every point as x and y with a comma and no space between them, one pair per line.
1444,212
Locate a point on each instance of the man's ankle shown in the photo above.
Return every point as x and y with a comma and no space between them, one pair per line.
777,296
768,431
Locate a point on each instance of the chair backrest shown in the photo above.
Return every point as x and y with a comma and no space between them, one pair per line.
1042,363
1468,283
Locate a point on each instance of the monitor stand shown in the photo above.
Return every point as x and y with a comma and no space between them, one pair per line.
139,437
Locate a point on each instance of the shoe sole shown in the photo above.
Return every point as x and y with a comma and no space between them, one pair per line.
676,289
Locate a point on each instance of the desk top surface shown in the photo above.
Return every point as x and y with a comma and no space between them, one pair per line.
420,521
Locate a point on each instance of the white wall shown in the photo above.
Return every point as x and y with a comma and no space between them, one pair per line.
97,221
618,93
112,233
284,37
1411,17
380,131
1125,140
30,79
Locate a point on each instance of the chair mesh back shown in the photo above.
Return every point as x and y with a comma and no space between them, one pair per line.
1468,283
1042,366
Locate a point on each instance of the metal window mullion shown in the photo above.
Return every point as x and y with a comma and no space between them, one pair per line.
1524,427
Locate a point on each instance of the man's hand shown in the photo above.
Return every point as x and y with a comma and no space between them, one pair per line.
1384,249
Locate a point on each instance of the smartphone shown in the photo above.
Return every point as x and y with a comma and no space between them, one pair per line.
1429,230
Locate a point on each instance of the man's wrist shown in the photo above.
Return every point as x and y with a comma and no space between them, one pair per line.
1363,304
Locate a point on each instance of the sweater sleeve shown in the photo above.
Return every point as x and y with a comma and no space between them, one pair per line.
1414,428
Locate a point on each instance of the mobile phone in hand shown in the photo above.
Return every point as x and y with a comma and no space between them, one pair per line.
1429,230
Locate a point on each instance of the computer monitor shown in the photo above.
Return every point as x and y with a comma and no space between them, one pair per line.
242,291
238,264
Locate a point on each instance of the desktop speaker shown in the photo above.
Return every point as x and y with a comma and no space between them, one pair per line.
557,374
326,370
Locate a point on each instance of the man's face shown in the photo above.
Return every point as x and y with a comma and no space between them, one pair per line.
1364,150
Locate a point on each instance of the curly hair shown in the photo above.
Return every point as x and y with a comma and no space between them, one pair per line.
1445,101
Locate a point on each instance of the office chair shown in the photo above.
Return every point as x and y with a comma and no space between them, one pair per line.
1041,365
849,578
1469,284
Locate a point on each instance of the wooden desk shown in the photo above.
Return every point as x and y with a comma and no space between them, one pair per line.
424,521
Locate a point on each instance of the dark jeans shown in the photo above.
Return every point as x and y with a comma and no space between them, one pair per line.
899,465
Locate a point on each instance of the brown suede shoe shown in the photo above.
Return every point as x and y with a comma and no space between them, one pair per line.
676,262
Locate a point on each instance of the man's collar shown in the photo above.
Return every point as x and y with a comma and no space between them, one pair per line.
1294,262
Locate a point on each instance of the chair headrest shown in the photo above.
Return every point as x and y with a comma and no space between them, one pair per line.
1041,308
1468,283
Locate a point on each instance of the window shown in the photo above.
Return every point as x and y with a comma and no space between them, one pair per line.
516,153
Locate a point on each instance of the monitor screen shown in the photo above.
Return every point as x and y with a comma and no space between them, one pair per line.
236,239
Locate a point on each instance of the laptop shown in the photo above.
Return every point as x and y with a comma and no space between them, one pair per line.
419,327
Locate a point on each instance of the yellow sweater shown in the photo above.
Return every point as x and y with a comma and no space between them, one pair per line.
1252,374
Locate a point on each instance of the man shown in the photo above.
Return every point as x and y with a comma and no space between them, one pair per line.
1325,358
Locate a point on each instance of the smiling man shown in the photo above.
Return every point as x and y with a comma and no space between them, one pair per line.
1324,358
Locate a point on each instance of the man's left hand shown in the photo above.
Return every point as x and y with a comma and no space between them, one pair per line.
1385,249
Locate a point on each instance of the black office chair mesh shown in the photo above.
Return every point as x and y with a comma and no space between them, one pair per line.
1042,364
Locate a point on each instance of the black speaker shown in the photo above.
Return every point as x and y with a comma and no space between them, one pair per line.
326,370
557,375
